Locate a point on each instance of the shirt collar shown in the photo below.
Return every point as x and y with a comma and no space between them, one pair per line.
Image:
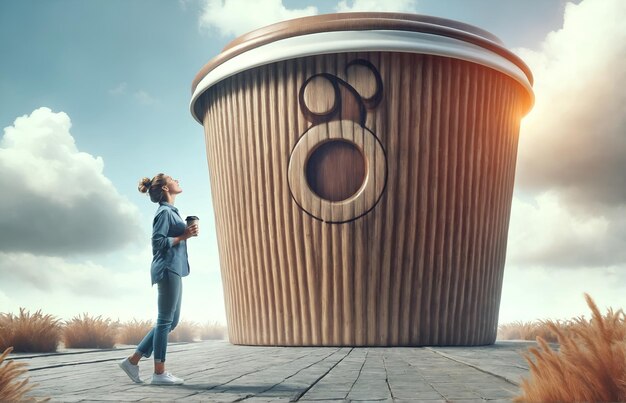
168,205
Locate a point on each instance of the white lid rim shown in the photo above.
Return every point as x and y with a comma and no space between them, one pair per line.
359,41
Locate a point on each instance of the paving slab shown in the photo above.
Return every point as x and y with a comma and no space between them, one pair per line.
218,371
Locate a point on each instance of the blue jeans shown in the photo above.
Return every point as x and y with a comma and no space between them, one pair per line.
170,295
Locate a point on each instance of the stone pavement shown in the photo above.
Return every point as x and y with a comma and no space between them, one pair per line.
219,371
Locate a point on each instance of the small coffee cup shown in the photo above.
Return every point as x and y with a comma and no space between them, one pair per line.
191,220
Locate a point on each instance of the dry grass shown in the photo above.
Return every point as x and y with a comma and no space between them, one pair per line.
185,331
517,331
29,333
89,332
132,332
590,365
212,331
12,389
531,330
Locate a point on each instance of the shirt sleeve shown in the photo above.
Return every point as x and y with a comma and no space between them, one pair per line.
160,228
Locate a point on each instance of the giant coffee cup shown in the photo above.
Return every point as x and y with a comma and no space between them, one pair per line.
362,169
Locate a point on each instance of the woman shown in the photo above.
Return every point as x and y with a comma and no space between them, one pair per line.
169,265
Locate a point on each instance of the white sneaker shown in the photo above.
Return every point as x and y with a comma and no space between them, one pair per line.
166,379
131,370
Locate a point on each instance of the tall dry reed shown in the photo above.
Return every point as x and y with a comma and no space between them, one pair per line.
132,332
212,331
531,330
89,332
517,331
590,365
29,333
185,331
11,388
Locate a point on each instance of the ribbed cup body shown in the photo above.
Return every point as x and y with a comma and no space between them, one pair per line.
425,265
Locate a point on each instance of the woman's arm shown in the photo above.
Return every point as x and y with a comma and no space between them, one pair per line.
161,227
186,235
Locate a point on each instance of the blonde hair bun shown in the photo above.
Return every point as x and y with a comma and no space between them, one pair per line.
144,185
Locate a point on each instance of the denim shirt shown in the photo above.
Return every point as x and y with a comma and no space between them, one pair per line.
168,224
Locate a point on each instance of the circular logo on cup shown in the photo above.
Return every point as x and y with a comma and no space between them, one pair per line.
337,171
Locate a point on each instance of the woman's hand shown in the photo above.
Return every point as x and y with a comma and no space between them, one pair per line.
190,231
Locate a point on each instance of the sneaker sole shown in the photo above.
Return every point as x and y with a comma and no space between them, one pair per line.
166,383
129,374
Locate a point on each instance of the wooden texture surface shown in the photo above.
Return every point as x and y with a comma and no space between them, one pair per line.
425,265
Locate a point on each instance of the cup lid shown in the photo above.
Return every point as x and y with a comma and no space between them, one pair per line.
191,218
356,32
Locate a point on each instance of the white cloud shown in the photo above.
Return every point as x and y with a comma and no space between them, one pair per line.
236,17
571,190
568,221
544,231
556,254
73,279
403,6
56,199
59,209
573,140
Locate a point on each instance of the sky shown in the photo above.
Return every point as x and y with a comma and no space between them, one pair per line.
94,96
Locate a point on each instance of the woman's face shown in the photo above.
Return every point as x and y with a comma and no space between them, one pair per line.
172,185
